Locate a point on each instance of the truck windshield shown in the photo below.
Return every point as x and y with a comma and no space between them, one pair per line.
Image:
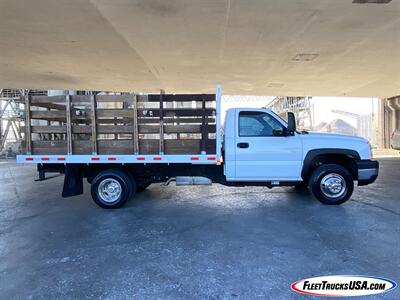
278,117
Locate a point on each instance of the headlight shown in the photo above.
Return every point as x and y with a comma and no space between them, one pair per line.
370,150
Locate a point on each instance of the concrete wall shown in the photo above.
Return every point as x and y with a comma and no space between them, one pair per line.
391,118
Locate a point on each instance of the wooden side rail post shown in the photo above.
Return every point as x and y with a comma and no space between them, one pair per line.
204,133
69,121
28,135
162,92
94,124
135,125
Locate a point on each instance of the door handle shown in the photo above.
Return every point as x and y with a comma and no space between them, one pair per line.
243,145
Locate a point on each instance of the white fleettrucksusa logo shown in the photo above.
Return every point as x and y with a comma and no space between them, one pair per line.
343,286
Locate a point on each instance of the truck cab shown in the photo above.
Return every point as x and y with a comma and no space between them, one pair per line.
259,146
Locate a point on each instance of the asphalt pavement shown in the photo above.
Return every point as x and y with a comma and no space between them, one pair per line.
191,242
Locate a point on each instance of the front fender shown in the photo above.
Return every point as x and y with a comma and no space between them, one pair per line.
312,154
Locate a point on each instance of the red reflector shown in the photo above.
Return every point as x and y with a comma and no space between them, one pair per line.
156,158
194,158
95,158
112,158
45,158
210,158
60,158
29,158
140,158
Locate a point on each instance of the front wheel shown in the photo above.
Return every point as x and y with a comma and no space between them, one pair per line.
112,188
331,184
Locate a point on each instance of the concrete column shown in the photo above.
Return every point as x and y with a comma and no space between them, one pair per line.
392,106
379,124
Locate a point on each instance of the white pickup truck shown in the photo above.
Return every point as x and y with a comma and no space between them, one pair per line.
255,147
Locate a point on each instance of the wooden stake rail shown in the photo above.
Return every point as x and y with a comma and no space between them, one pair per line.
120,124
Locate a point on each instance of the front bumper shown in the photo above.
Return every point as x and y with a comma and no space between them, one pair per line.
367,171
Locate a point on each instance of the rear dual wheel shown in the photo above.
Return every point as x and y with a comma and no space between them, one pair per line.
112,188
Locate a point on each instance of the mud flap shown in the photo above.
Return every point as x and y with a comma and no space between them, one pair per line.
73,181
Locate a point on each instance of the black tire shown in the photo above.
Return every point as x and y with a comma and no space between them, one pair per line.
141,188
123,182
134,184
331,172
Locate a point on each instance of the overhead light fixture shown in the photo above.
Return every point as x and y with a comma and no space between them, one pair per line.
372,1
305,56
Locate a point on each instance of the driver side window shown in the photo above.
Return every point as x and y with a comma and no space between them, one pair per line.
254,123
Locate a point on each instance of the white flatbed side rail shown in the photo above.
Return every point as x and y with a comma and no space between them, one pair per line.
118,159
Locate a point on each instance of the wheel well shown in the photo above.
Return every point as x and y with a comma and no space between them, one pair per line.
136,172
344,160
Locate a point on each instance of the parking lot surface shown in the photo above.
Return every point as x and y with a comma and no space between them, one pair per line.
191,242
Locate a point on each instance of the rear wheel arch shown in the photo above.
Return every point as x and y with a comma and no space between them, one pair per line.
343,157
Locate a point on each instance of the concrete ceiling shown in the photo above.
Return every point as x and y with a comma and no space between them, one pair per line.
265,47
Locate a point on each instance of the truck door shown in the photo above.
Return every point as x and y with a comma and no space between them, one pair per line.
264,151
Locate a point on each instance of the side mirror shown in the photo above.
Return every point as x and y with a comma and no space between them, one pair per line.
278,131
291,123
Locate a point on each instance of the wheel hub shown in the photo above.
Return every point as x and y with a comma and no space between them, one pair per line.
333,185
109,190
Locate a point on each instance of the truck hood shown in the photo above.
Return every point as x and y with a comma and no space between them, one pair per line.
324,135
317,140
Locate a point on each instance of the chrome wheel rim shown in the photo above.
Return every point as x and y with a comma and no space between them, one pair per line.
333,185
109,190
